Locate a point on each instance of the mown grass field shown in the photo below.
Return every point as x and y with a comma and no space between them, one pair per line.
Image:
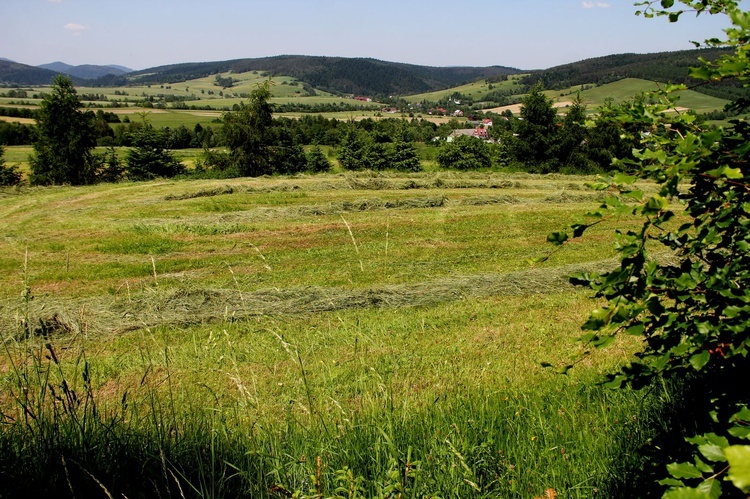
629,87
475,90
322,334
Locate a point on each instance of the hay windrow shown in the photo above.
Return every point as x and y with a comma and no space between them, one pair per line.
359,205
487,200
153,307
216,191
567,197
196,229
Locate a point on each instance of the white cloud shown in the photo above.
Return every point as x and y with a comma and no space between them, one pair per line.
77,29
591,5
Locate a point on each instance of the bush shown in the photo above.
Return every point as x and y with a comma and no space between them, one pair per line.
465,153
317,162
148,158
9,175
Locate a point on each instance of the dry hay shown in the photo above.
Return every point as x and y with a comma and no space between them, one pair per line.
216,191
381,181
567,197
153,306
485,200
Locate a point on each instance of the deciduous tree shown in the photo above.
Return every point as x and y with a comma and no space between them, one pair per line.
683,282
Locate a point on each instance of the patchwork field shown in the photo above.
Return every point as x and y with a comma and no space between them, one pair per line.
376,333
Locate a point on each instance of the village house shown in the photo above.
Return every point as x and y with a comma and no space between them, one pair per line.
478,132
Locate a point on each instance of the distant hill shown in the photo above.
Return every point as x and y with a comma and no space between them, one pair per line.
666,67
361,76
22,74
86,71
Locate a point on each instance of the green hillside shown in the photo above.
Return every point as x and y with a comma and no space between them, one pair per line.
361,76
476,90
665,67
628,88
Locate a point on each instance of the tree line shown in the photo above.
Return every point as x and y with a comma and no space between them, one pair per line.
249,141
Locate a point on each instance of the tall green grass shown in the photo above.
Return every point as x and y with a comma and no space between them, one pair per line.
226,339
65,434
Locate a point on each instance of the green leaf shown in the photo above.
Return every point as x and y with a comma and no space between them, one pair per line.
604,341
637,195
733,173
739,466
740,432
712,452
703,467
712,488
732,311
598,319
700,359
635,330
666,4
654,205
711,446
684,470
557,238
725,171
615,382
684,493
621,178
671,482
742,415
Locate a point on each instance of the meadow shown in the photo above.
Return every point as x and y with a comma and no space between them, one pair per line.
339,335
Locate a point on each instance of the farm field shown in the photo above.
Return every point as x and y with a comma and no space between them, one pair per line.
620,91
287,90
475,90
201,91
264,336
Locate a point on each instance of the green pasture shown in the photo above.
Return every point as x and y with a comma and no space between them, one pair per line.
625,89
476,90
285,89
257,337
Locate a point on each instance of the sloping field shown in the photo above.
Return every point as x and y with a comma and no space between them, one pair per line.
629,87
475,90
238,337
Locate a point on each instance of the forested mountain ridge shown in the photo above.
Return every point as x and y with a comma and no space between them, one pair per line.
376,78
335,74
16,73
665,67
86,71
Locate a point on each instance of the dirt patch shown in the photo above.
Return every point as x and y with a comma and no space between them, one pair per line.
11,119
137,110
516,108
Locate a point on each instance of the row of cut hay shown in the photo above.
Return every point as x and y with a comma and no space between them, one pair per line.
351,184
150,307
235,222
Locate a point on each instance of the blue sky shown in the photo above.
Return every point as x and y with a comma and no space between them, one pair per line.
527,34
